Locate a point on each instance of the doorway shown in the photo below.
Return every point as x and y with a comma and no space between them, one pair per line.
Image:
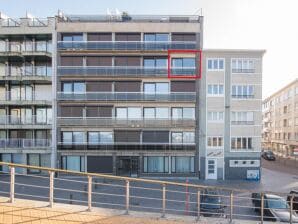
128,166
211,169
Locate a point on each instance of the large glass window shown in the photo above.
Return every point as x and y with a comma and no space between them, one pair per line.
74,163
156,164
183,137
129,113
79,87
78,137
183,62
33,160
156,37
155,62
242,91
67,137
215,64
100,137
106,137
159,87
41,115
215,89
67,87
72,37
182,164
241,143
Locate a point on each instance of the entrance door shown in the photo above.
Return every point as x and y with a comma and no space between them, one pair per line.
211,169
127,166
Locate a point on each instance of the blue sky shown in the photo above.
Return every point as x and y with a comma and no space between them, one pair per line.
245,24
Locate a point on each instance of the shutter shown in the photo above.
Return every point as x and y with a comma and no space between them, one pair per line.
183,86
133,61
99,86
127,86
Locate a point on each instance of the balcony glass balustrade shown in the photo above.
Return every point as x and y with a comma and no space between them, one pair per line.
26,120
25,143
134,71
127,45
127,96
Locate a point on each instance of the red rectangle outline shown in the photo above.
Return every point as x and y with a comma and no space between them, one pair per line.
197,76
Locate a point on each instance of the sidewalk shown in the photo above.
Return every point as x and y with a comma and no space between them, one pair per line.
27,211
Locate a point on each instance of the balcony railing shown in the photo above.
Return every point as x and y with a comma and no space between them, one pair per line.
27,120
243,70
125,146
242,122
21,96
117,122
10,22
127,45
13,71
25,143
27,47
243,96
127,96
134,71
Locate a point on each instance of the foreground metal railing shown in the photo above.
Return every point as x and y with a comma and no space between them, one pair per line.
165,197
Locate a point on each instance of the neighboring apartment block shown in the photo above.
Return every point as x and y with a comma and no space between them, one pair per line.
280,120
137,96
26,90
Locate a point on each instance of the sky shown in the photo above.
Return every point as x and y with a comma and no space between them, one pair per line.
244,24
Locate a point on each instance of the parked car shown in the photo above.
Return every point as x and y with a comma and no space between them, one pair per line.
295,200
268,155
211,203
276,208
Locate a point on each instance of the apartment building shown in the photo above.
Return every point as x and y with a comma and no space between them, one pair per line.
139,96
26,90
280,120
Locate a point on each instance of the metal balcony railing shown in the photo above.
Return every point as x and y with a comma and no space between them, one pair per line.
27,47
117,122
9,22
25,143
43,71
243,96
218,203
27,120
243,70
38,22
20,96
158,146
133,71
127,96
127,45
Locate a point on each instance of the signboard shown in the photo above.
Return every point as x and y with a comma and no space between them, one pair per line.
253,174
214,152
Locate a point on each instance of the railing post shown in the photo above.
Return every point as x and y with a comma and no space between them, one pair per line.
12,183
89,193
262,208
51,193
127,197
231,206
291,209
163,201
199,204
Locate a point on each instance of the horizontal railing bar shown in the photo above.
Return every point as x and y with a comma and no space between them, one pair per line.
112,185
146,188
75,181
139,206
134,179
103,203
147,198
30,195
30,185
4,182
103,193
70,190
73,200
31,175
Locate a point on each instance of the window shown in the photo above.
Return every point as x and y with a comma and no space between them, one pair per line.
215,116
95,138
74,163
33,160
215,141
242,91
183,137
129,113
73,137
183,63
183,113
244,163
241,143
156,37
159,87
76,87
159,113
156,164
182,164
242,117
155,62
215,90
215,64
72,37
243,66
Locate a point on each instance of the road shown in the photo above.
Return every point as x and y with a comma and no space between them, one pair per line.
147,197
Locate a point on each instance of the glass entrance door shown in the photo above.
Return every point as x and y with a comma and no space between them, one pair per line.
127,166
211,169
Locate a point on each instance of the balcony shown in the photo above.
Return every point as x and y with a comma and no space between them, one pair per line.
20,49
31,121
127,45
28,98
131,71
127,146
128,96
116,122
243,70
242,122
27,73
25,144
